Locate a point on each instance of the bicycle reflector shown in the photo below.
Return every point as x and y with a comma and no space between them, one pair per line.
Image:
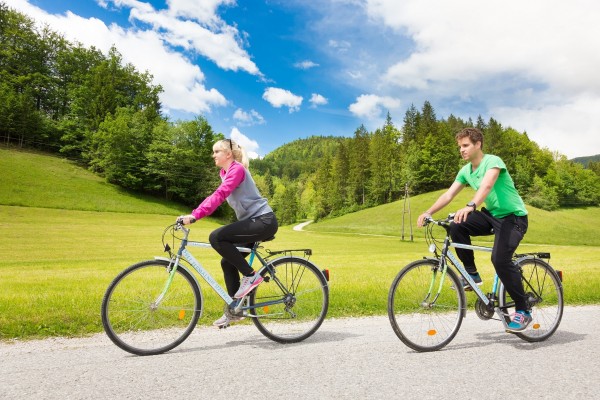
559,273
326,274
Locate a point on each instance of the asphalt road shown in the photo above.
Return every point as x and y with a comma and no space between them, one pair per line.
347,358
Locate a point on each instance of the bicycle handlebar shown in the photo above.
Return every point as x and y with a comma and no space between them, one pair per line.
180,223
441,222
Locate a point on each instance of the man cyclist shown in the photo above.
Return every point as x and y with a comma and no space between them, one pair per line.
504,215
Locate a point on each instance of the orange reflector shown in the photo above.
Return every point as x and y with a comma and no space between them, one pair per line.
560,275
536,326
266,309
431,332
326,273
181,314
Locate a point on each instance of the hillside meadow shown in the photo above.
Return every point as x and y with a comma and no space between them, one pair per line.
66,234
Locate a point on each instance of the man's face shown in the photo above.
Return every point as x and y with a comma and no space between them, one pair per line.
468,150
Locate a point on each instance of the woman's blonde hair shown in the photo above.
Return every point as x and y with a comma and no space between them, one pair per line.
239,154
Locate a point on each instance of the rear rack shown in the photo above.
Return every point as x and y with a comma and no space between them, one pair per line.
289,252
535,255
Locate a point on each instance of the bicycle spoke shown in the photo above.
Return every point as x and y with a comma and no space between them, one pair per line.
418,323
302,297
135,322
542,283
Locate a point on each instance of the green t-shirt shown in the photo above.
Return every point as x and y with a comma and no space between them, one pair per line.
503,199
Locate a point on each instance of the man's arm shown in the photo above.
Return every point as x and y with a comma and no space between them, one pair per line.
441,202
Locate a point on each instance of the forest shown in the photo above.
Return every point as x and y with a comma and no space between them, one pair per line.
76,102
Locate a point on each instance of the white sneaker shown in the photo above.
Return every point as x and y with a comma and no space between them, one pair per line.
248,283
225,321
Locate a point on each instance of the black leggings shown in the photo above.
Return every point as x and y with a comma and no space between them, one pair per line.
241,233
509,232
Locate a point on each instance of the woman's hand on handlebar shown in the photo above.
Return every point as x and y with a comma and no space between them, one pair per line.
186,219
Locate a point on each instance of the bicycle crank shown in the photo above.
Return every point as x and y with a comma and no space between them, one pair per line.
484,311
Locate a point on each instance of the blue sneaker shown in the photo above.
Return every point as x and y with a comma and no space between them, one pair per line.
519,321
476,278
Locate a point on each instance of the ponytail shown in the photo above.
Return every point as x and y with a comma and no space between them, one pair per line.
238,152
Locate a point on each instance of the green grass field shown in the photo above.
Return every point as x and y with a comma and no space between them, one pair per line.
66,234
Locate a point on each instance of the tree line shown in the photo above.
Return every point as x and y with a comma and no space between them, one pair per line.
92,107
322,177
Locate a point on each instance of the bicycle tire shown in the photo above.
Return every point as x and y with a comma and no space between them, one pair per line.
425,328
131,319
304,309
541,283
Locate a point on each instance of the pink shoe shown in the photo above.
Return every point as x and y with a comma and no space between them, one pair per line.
248,283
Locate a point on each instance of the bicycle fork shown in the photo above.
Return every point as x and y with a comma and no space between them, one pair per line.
172,269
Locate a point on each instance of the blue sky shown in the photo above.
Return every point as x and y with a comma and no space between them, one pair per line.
266,72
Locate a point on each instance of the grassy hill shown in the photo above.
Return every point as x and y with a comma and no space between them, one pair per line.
39,180
562,227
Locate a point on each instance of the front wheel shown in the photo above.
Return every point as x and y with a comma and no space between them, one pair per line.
291,304
544,289
426,305
137,321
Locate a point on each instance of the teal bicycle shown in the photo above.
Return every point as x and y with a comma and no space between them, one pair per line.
153,306
427,301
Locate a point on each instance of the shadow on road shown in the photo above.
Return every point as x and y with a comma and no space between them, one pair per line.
321,336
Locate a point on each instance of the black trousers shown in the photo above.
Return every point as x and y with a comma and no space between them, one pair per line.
508,232
240,233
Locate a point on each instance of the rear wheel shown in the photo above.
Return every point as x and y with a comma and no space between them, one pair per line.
292,304
421,318
136,322
544,289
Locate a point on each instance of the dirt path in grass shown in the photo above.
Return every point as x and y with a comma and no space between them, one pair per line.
346,359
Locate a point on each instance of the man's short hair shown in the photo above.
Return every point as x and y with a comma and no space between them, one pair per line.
474,135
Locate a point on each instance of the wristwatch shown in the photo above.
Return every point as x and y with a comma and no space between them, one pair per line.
472,204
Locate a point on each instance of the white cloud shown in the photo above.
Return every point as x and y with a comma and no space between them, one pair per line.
306,64
204,11
280,97
196,26
339,45
530,64
558,127
371,106
249,145
495,38
317,100
251,117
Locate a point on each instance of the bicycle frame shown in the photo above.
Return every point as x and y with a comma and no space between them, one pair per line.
184,253
447,254
456,262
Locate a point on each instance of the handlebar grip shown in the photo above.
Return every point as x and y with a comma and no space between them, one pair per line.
180,220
